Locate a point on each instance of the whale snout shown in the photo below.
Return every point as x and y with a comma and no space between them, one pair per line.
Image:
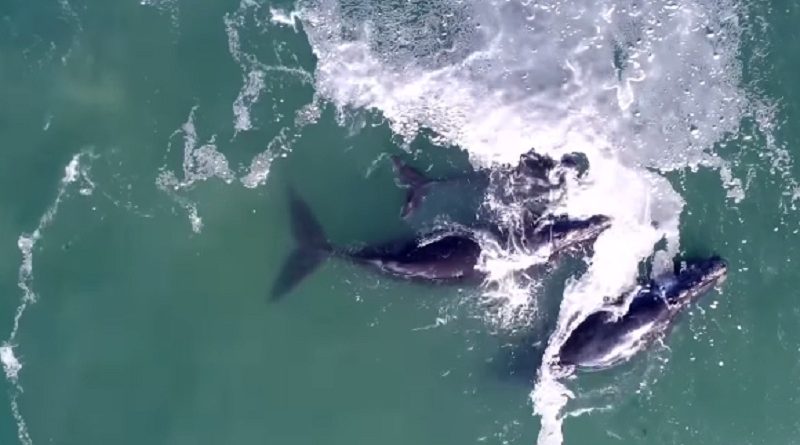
699,277
717,265
599,223
590,228
566,234
716,271
694,278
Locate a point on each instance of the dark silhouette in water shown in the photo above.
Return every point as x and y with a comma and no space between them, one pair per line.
459,197
311,247
447,256
529,181
602,340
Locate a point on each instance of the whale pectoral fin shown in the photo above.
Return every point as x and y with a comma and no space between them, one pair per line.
406,175
414,199
416,183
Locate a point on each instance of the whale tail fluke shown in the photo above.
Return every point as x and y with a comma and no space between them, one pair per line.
412,179
311,247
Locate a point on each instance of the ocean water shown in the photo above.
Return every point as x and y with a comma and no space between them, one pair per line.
147,150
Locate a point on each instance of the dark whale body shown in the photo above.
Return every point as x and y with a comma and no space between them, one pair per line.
460,197
602,340
449,256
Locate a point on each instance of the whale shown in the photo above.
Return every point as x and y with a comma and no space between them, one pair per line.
427,198
448,255
459,197
605,339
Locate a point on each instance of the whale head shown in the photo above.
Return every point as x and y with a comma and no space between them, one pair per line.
693,279
603,339
563,233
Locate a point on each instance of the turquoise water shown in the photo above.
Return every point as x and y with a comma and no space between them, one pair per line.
151,268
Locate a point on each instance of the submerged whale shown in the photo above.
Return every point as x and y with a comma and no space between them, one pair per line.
447,256
461,196
603,340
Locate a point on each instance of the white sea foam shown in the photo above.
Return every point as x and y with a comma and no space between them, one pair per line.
254,72
245,28
262,162
251,90
281,17
200,163
638,87
76,171
11,364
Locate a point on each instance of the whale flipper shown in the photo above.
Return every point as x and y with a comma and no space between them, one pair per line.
408,176
311,247
412,179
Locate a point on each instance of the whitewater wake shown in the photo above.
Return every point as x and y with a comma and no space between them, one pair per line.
640,88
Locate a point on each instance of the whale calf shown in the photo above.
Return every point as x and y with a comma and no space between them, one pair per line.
530,182
444,256
603,340
426,198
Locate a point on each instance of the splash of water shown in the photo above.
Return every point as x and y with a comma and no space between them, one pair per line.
637,87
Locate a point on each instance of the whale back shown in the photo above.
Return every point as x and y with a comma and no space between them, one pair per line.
449,257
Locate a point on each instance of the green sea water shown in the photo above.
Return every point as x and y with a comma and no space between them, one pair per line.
148,329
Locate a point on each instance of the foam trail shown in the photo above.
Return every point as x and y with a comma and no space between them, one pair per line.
26,243
253,76
200,163
259,78
637,87
279,146
262,162
255,72
248,96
